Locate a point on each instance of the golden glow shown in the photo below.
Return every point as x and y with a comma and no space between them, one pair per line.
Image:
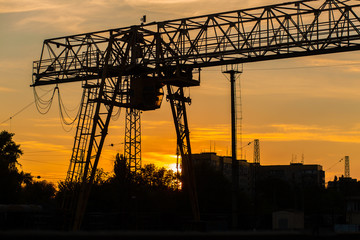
174,167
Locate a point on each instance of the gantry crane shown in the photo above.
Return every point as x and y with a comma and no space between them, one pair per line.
129,67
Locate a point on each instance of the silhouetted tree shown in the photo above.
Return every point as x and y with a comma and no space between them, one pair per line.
121,171
39,192
156,178
149,175
18,187
9,151
100,176
10,178
151,189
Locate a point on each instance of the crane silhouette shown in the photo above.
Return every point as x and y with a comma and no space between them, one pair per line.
129,67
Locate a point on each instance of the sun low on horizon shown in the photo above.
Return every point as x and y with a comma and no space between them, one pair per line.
302,109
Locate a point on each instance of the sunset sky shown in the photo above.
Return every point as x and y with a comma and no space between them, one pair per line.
308,105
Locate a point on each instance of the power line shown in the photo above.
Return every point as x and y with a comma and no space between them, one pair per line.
45,155
58,177
32,152
38,161
334,164
302,67
21,110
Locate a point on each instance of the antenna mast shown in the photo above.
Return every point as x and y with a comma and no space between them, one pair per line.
256,151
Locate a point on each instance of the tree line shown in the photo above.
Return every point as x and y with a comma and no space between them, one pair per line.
154,198
151,191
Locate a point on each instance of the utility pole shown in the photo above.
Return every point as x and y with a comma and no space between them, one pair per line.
235,168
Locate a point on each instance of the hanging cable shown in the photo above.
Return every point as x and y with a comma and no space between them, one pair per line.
64,115
23,109
116,116
43,106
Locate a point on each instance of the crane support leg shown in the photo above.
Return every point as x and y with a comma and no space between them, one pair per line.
177,102
101,121
110,90
77,161
132,144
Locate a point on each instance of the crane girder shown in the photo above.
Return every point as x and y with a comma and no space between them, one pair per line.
257,34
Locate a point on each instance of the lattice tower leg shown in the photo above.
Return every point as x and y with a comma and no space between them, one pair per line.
111,92
132,144
177,102
102,116
77,160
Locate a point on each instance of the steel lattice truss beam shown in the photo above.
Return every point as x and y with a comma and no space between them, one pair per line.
257,34
132,144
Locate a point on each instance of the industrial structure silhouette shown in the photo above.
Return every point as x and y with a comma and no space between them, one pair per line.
129,67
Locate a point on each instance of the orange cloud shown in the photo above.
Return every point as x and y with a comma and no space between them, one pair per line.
16,6
5,89
36,145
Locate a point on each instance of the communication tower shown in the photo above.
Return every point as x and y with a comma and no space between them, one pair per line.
256,151
347,167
